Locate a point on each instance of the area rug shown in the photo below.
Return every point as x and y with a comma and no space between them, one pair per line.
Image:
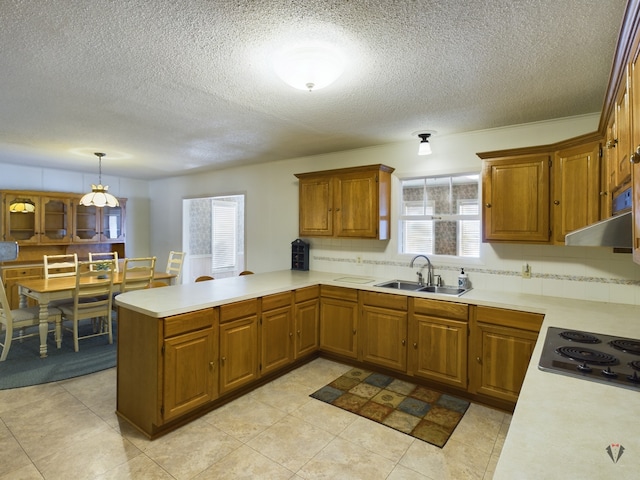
24,367
418,411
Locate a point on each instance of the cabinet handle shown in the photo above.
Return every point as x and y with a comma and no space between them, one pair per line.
612,143
604,194
634,158
488,205
478,360
298,332
211,364
415,345
354,331
556,202
223,359
291,334
404,342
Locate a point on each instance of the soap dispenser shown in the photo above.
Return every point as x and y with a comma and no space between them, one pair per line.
463,279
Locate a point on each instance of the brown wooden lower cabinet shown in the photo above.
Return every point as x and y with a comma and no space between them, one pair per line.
238,344
276,325
173,369
154,357
502,342
438,333
383,327
307,321
339,321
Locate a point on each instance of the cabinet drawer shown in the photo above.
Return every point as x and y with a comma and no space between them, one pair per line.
22,272
438,308
188,322
394,302
236,310
509,318
339,292
307,293
277,300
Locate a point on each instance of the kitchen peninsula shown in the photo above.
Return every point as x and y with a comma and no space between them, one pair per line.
561,426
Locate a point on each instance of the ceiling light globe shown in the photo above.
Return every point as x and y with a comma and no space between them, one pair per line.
309,67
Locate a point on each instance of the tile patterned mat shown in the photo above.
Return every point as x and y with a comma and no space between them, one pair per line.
418,411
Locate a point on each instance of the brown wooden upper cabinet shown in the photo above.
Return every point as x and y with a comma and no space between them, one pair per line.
36,218
515,198
54,218
539,194
634,164
349,202
576,189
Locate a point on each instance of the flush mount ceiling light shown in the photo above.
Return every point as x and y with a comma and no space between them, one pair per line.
309,67
22,205
424,147
99,197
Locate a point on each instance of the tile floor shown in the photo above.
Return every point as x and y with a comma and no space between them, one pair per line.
69,430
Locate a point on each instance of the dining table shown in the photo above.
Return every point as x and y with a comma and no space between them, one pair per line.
45,291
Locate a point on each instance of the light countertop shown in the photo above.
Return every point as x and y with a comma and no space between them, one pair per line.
561,426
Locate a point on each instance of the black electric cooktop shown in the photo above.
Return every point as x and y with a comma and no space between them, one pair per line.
592,356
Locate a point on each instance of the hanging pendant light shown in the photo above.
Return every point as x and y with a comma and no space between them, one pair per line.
99,197
22,205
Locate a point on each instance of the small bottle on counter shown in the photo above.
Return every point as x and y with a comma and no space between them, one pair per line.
463,279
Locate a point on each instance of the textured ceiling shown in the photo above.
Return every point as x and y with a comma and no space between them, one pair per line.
173,87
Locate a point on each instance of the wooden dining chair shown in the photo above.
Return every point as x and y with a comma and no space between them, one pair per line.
65,265
137,273
204,278
103,256
174,264
19,319
92,300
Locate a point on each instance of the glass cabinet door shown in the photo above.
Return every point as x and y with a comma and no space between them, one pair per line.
112,224
55,220
86,223
22,218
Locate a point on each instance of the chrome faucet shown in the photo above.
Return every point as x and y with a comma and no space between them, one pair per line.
419,273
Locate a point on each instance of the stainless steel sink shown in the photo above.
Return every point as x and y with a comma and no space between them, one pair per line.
401,285
416,287
455,291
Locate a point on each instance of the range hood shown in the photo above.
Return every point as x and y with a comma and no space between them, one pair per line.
615,232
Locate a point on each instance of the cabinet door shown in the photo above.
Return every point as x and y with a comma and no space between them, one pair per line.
338,326
112,223
502,356
23,224
277,339
439,349
384,337
316,207
576,190
356,205
86,223
635,146
55,220
307,317
189,379
516,199
238,353
623,131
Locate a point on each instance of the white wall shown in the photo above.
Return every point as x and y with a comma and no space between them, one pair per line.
138,228
154,215
272,218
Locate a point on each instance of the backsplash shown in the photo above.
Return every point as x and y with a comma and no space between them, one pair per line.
571,272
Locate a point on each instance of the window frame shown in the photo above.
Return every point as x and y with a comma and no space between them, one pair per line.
404,218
